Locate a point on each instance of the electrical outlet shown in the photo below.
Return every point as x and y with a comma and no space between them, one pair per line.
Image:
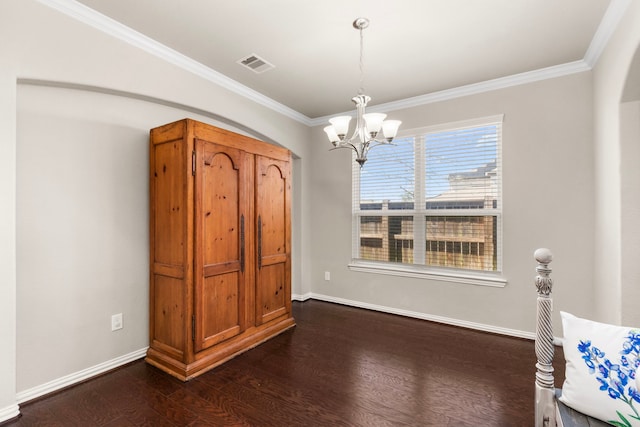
327,275
116,322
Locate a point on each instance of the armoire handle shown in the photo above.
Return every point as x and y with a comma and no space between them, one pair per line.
259,242
242,243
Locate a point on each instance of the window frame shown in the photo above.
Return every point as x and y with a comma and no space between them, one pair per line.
418,269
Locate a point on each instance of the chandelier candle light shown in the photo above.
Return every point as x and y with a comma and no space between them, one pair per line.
366,134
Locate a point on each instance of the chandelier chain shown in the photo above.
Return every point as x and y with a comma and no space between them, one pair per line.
361,90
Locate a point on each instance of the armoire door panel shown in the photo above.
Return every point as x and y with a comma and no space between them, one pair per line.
273,253
221,208
271,208
272,292
220,200
220,321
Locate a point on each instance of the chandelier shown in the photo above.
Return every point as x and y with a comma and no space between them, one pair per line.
371,129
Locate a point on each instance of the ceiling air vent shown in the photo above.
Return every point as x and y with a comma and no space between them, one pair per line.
255,63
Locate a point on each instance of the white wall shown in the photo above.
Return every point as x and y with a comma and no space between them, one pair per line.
82,227
614,173
8,406
81,248
630,200
548,202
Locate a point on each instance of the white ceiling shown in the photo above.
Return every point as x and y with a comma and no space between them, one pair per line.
411,48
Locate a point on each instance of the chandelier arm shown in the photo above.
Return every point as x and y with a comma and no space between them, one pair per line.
360,130
338,146
343,145
354,137
378,144
349,139
354,147
382,140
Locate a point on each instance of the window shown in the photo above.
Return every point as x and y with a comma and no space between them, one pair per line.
432,200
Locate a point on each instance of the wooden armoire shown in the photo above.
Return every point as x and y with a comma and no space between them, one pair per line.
220,246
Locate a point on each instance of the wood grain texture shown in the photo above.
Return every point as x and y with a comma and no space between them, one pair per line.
204,305
220,204
170,234
273,207
341,366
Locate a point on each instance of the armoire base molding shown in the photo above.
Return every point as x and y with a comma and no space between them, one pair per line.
216,356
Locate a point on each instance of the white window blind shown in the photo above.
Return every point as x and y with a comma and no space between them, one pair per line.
433,199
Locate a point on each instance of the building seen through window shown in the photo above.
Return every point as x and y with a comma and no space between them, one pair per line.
433,199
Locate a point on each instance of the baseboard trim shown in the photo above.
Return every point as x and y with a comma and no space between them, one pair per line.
10,412
301,297
76,377
439,319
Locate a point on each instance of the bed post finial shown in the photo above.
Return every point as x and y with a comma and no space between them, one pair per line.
545,389
543,281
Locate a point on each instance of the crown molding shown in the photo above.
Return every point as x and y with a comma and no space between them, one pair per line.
473,89
84,14
605,30
114,28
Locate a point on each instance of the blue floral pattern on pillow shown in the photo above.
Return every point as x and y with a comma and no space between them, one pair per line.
616,379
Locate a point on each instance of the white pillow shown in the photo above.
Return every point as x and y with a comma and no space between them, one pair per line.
601,369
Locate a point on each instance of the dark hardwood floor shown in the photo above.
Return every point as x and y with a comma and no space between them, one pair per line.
341,366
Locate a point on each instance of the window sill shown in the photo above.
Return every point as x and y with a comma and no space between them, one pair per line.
472,278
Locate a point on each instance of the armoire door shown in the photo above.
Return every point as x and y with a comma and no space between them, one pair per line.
273,224
221,225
